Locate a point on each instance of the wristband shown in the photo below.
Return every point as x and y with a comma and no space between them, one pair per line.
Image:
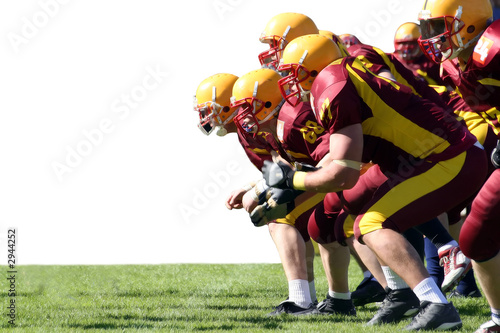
253,194
299,178
260,187
249,186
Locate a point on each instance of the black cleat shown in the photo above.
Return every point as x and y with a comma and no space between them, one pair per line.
397,305
293,309
332,306
368,291
435,316
473,294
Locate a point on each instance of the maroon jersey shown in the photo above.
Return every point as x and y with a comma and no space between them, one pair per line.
259,148
426,69
300,135
479,82
377,60
396,123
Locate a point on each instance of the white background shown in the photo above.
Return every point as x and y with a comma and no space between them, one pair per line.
150,189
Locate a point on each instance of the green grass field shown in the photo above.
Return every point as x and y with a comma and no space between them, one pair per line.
179,298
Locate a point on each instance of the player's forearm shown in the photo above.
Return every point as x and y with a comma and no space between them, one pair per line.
332,177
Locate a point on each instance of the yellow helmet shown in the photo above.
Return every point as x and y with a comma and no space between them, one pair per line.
279,31
337,40
406,42
450,26
258,98
303,59
212,101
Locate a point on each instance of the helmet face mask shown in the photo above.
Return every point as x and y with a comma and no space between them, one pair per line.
452,26
257,98
211,116
271,58
408,51
349,40
290,85
304,58
246,119
406,46
438,35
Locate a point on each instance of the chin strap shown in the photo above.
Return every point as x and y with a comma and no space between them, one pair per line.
221,131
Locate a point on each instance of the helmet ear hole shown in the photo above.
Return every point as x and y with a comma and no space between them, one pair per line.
268,104
314,73
226,109
471,29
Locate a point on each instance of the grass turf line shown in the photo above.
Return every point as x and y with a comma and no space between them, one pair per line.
180,298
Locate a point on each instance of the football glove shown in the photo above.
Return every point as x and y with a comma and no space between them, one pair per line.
267,212
277,196
305,167
278,175
495,156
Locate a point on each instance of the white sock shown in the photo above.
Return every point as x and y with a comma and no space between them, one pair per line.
334,294
427,290
495,316
447,246
298,292
394,281
312,291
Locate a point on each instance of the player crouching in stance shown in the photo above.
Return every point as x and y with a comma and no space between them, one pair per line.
301,142
431,161
212,102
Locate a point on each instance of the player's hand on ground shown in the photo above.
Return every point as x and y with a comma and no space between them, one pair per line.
279,175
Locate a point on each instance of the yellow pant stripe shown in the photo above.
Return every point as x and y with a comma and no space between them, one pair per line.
409,191
302,208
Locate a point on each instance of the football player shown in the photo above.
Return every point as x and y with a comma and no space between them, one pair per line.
426,155
212,102
407,50
462,37
382,63
302,142
279,30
